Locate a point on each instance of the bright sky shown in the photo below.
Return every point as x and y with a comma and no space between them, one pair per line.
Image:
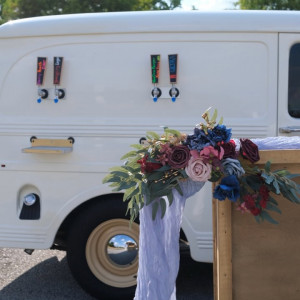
208,4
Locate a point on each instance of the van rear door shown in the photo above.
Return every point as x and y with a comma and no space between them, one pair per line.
289,85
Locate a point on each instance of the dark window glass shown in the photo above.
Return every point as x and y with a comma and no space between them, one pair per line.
294,81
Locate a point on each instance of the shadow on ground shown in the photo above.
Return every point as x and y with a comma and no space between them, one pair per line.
195,280
48,280
52,280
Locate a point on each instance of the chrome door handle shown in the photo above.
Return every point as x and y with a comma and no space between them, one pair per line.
289,129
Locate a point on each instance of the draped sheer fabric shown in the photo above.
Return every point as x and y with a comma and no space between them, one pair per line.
159,247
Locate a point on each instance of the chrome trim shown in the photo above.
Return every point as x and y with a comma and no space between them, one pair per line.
289,129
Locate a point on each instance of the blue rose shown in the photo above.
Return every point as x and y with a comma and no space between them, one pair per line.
219,134
229,187
198,140
232,167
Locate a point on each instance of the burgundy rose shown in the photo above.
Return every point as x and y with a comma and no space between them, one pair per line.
148,167
249,150
179,157
229,150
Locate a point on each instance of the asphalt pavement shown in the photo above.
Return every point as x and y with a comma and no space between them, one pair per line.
45,276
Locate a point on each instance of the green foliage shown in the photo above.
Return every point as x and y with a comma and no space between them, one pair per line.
152,188
210,121
278,182
264,216
269,4
149,178
15,9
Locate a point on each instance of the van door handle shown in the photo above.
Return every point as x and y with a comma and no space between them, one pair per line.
289,129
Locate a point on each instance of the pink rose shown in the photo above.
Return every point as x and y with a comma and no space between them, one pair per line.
210,152
198,170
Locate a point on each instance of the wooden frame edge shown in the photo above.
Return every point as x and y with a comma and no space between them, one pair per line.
222,237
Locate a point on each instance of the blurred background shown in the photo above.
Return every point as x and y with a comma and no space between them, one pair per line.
17,9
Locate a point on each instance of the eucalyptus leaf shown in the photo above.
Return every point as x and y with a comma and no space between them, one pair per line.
126,185
155,207
130,204
268,178
214,117
153,134
273,207
137,146
123,174
276,186
138,176
117,169
155,175
296,196
129,154
164,168
291,176
159,193
116,189
116,184
282,172
258,219
133,168
170,198
110,178
265,216
150,199
272,200
178,188
163,206
268,166
174,132
130,192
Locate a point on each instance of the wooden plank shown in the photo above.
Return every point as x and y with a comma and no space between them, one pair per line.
279,156
265,256
222,250
48,150
49,146
258,261
51,143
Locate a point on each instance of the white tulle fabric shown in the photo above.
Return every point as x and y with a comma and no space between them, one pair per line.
159,246
275,143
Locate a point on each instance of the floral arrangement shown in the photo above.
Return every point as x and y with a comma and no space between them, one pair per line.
154,169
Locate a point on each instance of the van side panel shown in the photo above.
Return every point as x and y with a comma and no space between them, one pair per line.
108,106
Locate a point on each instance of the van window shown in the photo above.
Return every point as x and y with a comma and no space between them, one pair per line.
294,82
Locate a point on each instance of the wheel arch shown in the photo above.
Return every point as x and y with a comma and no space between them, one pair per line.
61,232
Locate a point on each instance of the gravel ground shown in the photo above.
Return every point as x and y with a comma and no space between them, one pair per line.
45,276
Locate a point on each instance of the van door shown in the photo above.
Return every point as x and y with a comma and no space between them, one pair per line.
289,85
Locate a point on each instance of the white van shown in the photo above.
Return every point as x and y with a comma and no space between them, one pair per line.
76,91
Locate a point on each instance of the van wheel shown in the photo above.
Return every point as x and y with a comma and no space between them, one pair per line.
102,250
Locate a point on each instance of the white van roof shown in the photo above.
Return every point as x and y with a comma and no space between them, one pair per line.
154,21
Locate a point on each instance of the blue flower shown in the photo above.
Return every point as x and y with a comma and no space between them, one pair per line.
232,167
219,134
229,187
198,140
